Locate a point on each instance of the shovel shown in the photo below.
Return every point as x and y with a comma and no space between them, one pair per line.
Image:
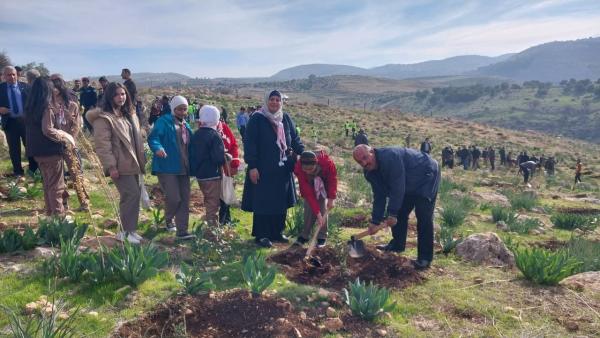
311,246
356,247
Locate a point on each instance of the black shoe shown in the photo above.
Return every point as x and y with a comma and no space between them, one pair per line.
170,226
281,239
321,242
184,235
390,247
421,264
263,242
300,241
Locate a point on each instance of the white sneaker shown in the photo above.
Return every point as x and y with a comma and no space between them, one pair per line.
136,236
128,236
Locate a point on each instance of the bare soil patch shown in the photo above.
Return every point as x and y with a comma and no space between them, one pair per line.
384,269
229,314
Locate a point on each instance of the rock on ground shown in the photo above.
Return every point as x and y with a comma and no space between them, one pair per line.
485,248
492,198
583,281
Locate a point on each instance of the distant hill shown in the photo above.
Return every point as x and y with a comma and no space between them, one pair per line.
447,67
151,79
551,62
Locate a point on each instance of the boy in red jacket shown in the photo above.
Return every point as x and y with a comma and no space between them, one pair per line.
317,177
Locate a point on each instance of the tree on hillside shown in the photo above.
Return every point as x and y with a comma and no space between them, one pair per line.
40,67
4,60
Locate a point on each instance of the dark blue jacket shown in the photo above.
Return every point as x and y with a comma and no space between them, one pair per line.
163,136
401,172
4,99
275,191
207,154
88,97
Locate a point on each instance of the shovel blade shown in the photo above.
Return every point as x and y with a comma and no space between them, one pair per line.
356,248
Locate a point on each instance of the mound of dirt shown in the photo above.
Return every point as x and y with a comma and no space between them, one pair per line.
383,269
228,314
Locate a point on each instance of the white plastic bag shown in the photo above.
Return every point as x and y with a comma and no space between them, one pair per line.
145,198
228,190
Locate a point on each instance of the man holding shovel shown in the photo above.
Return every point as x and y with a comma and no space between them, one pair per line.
403,179
317,178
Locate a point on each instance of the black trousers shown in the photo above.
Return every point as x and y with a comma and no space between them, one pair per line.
268,226
15,134
86,123
424,211
525,172
577,177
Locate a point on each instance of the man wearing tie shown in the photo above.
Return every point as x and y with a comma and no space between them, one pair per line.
12,101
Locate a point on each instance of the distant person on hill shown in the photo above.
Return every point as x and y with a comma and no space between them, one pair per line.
347,128
407,141
509,159
354,126
76,86
476,153
317,178
426,146
241,120
120,148
88,99
550,165
578,168
492,158
224,114
170,142
527,168
502,153
361,138
155,110
448,157
132,89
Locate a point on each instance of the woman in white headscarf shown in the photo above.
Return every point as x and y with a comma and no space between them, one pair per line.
207,156
271,146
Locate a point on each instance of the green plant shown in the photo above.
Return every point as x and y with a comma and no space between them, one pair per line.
585,251
43,324
213,245
523,226
133,264
570,221
193,281
367,301
446,239
447,185
34,191
456,210
543,266
52,229
30,239
523,201
15,192
11,241
69,263
257,275
500,213
97,266
158,216
294,222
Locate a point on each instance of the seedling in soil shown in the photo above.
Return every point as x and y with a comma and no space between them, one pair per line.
48,322
257,275
193,281
11,241
136,263
34,191
367,301
158,216
15,192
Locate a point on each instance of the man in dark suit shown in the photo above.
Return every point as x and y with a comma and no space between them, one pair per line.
13,95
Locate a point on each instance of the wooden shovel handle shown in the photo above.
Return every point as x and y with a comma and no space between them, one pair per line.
313,240
366,232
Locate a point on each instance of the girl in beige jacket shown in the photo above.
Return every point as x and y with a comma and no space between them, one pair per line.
120,149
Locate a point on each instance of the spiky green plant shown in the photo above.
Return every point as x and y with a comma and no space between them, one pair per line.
15,192
446,239
257,275
30,239
569,221
52,229
294,222
69,263
42,324
34,191
455,211
586,251
133,264
367,301
158,216
543,266
500,213
11,241
523,226
523,201
98,268
193,280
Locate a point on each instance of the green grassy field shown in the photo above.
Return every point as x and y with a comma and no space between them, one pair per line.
457,298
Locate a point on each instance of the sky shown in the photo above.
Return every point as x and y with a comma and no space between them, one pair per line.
248,38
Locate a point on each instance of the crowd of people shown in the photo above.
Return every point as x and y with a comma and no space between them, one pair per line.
189,141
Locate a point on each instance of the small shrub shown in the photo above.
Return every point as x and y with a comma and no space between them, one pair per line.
98,268
447,185
193,281
42,324
570,221
456,210
69,263
294,222
585,251
133,264
30,239
158,216
11,241
543,266
52,229
523,226
446,239
367,301
500,213
34,191
257,275
519,201
15,192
